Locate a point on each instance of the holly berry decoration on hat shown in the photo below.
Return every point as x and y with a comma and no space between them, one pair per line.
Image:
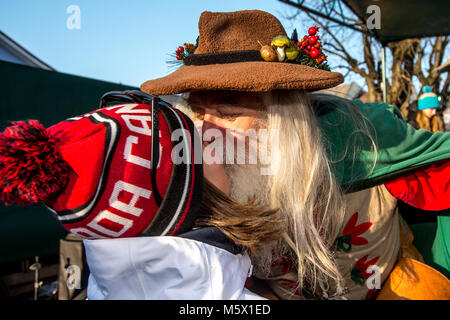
311,49
307,51
180,50
312,31
177,60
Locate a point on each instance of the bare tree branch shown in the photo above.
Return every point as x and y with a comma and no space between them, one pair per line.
410,58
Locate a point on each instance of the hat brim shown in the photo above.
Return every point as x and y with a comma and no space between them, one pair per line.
243,76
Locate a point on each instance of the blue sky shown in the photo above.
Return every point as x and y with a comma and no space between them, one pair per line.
119,41
129,41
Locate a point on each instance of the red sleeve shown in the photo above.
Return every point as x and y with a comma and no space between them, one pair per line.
427,188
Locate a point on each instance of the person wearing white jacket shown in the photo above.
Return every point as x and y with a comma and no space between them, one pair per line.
153,226
179,268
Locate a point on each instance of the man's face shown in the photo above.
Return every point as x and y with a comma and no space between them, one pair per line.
226,109
235,112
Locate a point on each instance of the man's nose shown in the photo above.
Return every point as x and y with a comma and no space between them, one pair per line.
210,120
210,129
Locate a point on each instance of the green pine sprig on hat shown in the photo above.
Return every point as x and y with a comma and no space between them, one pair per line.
306,60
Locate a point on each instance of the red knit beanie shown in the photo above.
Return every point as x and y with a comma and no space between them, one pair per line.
95,171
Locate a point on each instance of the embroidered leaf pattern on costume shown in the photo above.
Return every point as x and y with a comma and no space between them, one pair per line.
352,234
359,273
284,262
303,292
285,265
372,293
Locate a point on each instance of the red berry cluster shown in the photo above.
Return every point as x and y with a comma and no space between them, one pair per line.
312,46
180,55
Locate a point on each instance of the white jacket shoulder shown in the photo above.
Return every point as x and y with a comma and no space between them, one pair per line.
165,268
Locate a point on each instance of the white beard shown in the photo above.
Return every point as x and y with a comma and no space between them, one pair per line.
247,182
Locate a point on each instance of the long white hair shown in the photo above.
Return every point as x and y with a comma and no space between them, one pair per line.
302,186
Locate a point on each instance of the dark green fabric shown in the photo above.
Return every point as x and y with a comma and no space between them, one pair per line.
432,241
401,19
441,246
424,236
50,97
400,147
26,232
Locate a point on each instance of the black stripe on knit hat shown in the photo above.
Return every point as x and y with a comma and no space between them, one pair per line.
197,179
181,202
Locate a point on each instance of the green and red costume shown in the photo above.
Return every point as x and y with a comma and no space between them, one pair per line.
410,165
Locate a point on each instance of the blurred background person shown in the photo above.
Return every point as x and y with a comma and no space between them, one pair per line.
427,116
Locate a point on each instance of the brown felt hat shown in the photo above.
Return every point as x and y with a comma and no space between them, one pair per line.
228,58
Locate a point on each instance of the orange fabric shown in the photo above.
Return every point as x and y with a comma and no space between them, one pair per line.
408,250
413,280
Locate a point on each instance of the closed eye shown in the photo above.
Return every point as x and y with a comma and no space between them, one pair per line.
199,113
228,115
227,111
199,116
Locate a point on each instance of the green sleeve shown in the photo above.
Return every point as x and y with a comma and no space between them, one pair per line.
400,147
